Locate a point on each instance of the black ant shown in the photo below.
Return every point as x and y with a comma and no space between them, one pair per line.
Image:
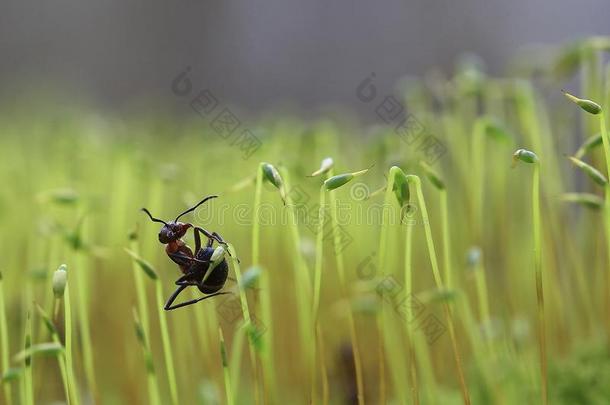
193,266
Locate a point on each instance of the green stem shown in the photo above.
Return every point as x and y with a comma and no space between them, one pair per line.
302,281
538,274
247,317
265,295
319,257
317,285
4,343
140,290
344,293
412,179
84,325
446,239
386,330
417,345
225,369
28,380
167,346
69,348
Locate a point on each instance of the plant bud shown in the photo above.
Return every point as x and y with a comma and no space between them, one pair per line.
401,186
524,155
589,106
250,277
218,254
342,179
60,278
586,199
591,143
271,174
325,166
144,265
592,172
432,176
497,131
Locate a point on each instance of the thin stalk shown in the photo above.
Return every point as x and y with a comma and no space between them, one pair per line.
82,295
418,349
167,346
344,293
225,369
265,294
323,370
61,359
302,281
446,239
439,284
538,273
4,343
317,282
319,257
28,385
72,383
386,332
140,290
151,376
247,317
236,353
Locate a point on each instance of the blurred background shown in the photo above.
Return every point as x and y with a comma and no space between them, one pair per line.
257,55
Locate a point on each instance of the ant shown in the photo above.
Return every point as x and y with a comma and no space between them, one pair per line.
193,266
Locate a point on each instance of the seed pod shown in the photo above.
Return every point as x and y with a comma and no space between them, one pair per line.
60,278
591,143
586,199
432,176
497,131
524,155
325,166
144,265
250,277
271,174
592,172
401,187
342,179
589,106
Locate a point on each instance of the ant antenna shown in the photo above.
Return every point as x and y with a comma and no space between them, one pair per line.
195,207
153,218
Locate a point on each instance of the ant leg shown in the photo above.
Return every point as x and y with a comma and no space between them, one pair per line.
185,257
168,305
212,235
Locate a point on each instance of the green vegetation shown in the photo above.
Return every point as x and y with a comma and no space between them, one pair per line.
427,278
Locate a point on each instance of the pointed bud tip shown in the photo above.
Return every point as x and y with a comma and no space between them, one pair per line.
588,105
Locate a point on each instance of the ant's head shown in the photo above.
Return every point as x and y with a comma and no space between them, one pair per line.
172,231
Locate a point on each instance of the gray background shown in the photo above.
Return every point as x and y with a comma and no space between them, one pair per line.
257,54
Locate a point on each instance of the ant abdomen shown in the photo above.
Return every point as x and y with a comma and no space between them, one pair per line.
216,280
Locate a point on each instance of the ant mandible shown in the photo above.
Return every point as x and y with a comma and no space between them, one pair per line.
193,266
